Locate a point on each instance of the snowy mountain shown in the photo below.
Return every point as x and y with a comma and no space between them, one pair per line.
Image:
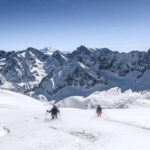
25,125
52,74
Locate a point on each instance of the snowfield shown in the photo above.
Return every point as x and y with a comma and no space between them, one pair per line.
24,125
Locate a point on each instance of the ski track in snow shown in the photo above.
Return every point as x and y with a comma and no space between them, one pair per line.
82,138
80,134
129,124
7,106
83,135
90,138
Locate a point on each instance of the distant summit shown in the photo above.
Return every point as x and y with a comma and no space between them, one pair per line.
48,50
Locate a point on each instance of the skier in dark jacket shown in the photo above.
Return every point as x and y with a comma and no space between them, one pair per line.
54,111
99,111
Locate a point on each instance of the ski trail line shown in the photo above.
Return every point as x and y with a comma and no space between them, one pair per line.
86,136
129,124
7,106
80,134
80,142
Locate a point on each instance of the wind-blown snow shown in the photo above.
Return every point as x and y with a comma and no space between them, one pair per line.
112,98
24,125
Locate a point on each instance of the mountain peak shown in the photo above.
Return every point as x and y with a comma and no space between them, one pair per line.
48,50
82,48
30,49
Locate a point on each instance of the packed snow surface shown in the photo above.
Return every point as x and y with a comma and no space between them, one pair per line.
24,125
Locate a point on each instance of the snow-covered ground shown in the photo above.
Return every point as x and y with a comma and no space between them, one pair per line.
25,126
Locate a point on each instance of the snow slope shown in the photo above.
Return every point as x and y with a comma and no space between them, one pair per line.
24,126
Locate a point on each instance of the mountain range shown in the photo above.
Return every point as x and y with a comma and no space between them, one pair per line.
53,75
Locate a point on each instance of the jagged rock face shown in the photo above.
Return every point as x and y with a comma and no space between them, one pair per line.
18,68
47,72
81,52
71,74
4,54
1,82
22,68
133,61
121,63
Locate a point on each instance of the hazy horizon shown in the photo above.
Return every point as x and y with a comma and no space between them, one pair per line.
127,51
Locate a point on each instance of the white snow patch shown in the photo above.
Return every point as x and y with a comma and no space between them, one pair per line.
82,65
64,57
53,84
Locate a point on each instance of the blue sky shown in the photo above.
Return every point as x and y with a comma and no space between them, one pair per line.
122,25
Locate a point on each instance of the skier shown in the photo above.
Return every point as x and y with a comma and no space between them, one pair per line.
99,111
54,111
